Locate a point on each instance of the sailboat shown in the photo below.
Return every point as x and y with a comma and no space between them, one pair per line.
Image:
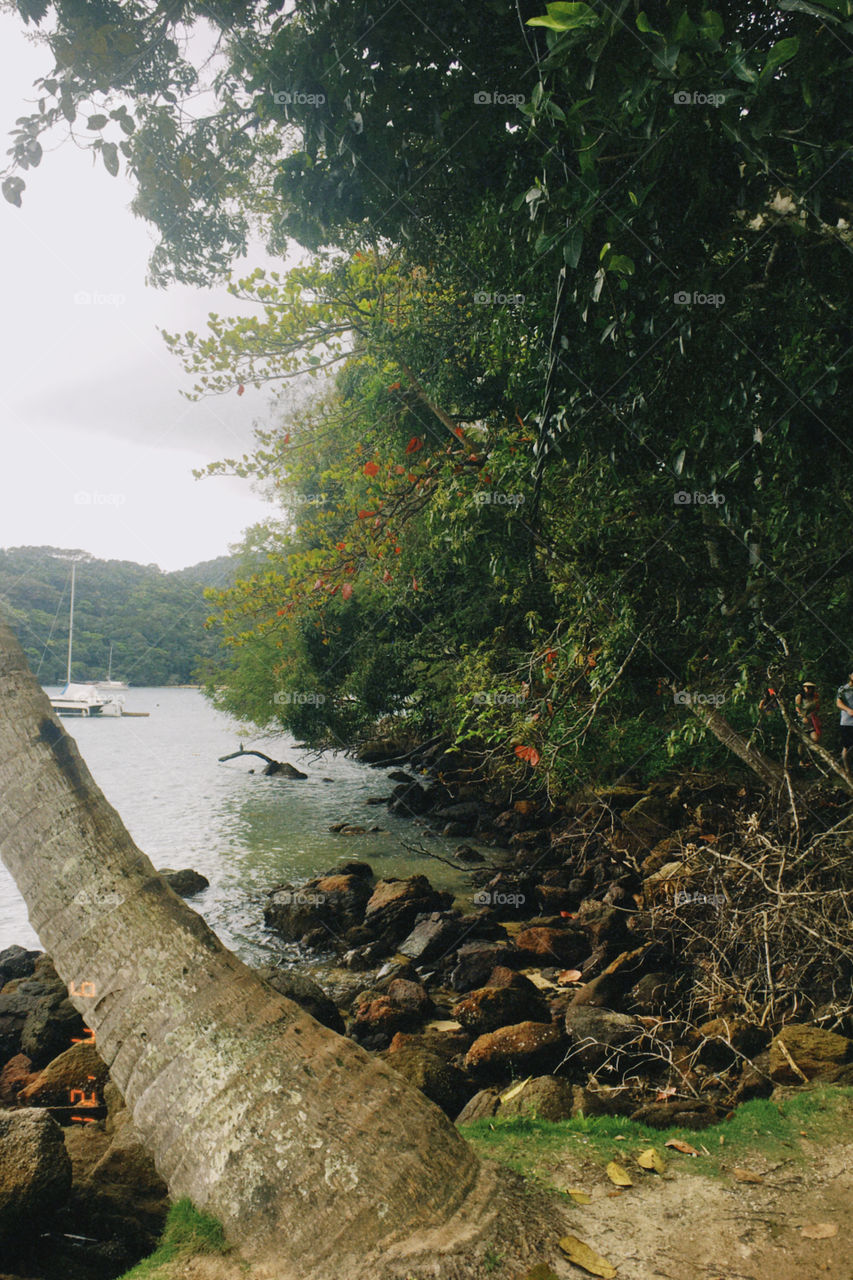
109,683
83,699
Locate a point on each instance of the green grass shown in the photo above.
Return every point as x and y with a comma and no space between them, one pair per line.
769,1129
186,1234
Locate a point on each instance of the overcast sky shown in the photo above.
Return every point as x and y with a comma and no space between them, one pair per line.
97,446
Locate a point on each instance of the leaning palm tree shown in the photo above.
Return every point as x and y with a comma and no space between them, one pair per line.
318,1159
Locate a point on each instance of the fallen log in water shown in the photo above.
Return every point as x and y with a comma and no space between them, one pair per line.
273,766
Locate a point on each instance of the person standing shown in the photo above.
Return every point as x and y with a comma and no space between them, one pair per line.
844,702
808,707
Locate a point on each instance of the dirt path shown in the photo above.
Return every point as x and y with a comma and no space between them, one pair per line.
686,1226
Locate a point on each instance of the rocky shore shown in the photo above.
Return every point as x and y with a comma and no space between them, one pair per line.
602,962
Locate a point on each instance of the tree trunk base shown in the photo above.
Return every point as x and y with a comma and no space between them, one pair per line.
505,1226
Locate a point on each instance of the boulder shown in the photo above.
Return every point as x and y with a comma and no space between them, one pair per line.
16,962
433,937
727,1039
548,946
519,1049
378,1016
442,1083
603,1038
603,924
409,800
14,1076
50,1028
509,1000
31,1005
601,1101
332,903
689,1113
78,1069
186,882
482,1106
820,1055
394,906
544,1097
475,962
653,993
305,992
35,1172
754,1080
448,1044
126,1178
412,998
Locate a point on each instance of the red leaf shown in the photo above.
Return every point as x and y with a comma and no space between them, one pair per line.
317,585
370,468
414,584
457,431
240,389
400,470
387,576
395,386
346,590
530,754
414,444
286,439
341,546
363,515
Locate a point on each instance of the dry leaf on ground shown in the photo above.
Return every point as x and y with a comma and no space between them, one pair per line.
583,1256
651,1159
580,1197
745,1175
618,1174
684,1147
819,1230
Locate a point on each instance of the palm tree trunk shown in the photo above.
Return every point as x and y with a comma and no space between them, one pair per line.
292,1136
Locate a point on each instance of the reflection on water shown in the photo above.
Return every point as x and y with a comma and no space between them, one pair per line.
243,831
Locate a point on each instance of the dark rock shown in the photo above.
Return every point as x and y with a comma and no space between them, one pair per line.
362,869
395,904
687,1114
399,967
186,882
820,1055
602,923
334,903
601,1026
399,776
49,1030
467,853
508,999
602,1101
127,1181
549,945
482,1106
727,1039
35,1172
15,962
305,992
545,1097
653,993
15,1075
442,1083
411,997
522,1048
79,1068
449,1045
475,962
433,937
409,799
358,960
754,1080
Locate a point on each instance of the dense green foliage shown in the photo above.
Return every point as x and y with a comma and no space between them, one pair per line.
578,315
155,621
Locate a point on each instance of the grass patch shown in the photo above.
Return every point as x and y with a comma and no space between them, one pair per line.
186,1234
772,1130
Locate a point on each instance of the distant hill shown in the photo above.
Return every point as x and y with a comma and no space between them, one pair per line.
154,620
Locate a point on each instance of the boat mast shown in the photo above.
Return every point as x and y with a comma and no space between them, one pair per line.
110,665
71,620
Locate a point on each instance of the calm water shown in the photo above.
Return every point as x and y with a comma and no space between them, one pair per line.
244,832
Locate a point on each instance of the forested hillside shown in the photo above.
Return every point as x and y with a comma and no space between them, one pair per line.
154,620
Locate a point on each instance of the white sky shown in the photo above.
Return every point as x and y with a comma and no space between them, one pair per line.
97,445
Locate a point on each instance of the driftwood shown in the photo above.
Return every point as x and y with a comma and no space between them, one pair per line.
273,766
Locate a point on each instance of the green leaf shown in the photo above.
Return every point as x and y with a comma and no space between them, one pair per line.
645,26
110,154
618,262
96,122
781,52
12,188
572,247
566,17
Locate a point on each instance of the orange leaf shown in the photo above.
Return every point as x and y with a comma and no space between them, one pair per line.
341,546
240,389
370,468
286,439
395,386
387,577
684,1147
530,754
346,590
414,444
400,470
414,584
364,515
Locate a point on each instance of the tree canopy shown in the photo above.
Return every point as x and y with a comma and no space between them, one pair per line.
576,309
